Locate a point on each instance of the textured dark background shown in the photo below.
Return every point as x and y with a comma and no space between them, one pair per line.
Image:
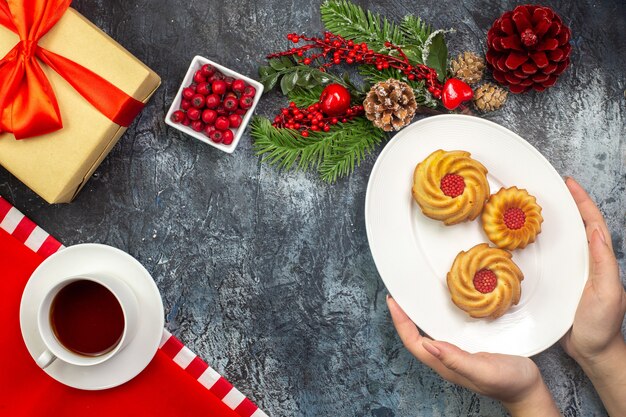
268,275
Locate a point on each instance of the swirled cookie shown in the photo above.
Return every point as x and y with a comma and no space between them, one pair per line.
512,218
450,186
484,281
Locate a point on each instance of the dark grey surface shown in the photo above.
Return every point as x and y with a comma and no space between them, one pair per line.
268,275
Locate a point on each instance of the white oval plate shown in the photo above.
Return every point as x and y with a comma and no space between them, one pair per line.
82,259
414,253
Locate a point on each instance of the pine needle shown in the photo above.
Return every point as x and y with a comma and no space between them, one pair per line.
334,154
415,29
304,97
352,22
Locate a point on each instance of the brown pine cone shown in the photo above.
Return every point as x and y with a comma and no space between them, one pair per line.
390,105
468,67
489,97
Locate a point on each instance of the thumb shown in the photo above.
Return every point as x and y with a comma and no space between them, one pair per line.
455,359
603,269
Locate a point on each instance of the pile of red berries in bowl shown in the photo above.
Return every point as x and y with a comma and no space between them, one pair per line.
214,104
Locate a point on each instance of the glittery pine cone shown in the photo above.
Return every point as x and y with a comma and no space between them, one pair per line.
528,47
390,105
489,97
468,67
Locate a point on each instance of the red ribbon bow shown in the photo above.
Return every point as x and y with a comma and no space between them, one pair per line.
28,106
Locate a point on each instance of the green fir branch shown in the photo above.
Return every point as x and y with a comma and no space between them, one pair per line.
333,154
415,30
285,147
304,97
420,43
350,149
349,20
373,76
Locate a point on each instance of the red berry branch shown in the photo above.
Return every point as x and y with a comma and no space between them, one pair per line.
337,50
312,118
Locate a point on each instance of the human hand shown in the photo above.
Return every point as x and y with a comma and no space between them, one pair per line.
596,332
514,380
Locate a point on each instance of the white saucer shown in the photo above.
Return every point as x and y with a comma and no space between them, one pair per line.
82,259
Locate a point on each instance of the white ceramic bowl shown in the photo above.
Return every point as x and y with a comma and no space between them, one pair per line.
196,64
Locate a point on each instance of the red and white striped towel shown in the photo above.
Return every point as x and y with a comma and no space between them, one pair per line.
35,238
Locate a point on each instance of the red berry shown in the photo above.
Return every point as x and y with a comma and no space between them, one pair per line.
485,281
249,91
230,94
197,125
209,129
213,101
229,83
452,185
204,89
234,121
198,101
217,136
307,61
241,112
246,102
227,137
238,86
186,121
216,76
231,103
207,70
221,110
193,114
198,77
222,123
209,116
185,104
219,87
305,133
514,218
188,93
178,116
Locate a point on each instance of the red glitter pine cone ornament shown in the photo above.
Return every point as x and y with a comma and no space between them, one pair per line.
528,47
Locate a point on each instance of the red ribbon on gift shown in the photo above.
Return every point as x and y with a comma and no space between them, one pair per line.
28,106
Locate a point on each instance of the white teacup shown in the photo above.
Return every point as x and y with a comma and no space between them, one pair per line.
56,350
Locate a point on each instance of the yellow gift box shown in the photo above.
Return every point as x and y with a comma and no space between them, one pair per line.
57,165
